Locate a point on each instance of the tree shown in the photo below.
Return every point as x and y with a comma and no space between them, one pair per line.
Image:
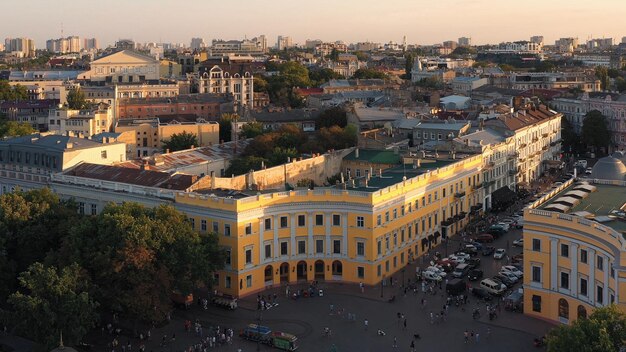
545,66
76,99
602,74
334,55
335,116
613,72
260,84
323,75
408,64
620,84
336,137
137,256
15,129
507,68
242,165
54,302
571,141
8,92
180,141
251,130
281,156
595,130
226,127
368,73
603,331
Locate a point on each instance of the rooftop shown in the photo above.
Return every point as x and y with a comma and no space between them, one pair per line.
179,99
148,178
599,204
375,156
52,141
396,174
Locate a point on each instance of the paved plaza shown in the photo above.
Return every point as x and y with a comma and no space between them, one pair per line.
307,318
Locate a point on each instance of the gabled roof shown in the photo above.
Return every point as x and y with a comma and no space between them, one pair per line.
125,56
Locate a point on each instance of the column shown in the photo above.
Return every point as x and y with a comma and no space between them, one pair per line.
574,270
344,239
607,270
261,244
554,247
591,285
276,220
292,243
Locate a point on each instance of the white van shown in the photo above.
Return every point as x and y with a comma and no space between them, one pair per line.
493,287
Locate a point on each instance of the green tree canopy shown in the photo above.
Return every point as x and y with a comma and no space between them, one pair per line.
595,130
8,92
603,331
335,116
226,127
180,141
602,74
53,302
408,64
15,129
76,99
251,130
323,75
137,256
242,165
368,73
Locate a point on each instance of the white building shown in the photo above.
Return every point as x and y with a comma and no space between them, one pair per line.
126,66
230,75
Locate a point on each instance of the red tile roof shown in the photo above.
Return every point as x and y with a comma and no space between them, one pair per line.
147,178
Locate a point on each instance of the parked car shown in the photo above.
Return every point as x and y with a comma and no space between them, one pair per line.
477,245
506,227
463,255
582,163
456,259
484,238
492,286
512,269
588,171
470,249
505,280
510,275
519,242
508,221
518,258
514,302
488,250
481,293
473,262
460,271
475,274
520,223
430,276
446,264
499,253
496,231
437,270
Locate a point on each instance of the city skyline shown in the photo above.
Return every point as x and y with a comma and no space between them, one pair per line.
490,21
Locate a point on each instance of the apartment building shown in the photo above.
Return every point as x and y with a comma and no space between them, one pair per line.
22,47
83,123
207,106
67,45
537,133
34,112
611,105
555,80
28,162
151,132
229,75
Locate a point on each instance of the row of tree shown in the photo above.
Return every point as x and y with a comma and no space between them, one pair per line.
271,148
61,270
595,134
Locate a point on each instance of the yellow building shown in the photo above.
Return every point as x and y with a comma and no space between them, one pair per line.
575,251
150,132
362,231
170,69
81,123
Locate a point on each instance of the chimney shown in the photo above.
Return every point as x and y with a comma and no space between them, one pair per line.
380,173
167,151
356,153
193,147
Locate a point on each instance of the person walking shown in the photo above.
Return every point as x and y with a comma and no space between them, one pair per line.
477,335
465,336
395,342
361,287
366,323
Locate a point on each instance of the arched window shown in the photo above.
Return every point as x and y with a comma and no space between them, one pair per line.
582,312
563,309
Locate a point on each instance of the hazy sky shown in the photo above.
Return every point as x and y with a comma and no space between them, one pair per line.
423,22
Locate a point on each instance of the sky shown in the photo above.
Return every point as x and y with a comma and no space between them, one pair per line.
380,21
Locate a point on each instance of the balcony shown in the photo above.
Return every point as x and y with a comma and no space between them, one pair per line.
523,145
512,172
488,183
545,135
459,194
512,156
535,139
545,147
490,165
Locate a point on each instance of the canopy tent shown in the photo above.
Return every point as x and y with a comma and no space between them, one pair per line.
576,194
569,201
560,208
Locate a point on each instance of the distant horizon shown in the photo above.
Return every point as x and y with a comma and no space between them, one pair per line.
351,21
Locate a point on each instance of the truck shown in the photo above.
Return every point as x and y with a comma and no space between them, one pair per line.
265,335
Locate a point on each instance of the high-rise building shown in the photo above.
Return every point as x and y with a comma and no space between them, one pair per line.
70,44
600,44
24,46
91,44
465,41
450,44
537,39
198,44
566,44
261,42
283,42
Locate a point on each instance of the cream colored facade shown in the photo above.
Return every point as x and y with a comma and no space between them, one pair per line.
150,133
573,265
83,123
124,66
333,234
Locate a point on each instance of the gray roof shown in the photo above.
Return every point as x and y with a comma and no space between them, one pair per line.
368,114
454,126
100,136
406,123
47,75
609,168
486,136
53,141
